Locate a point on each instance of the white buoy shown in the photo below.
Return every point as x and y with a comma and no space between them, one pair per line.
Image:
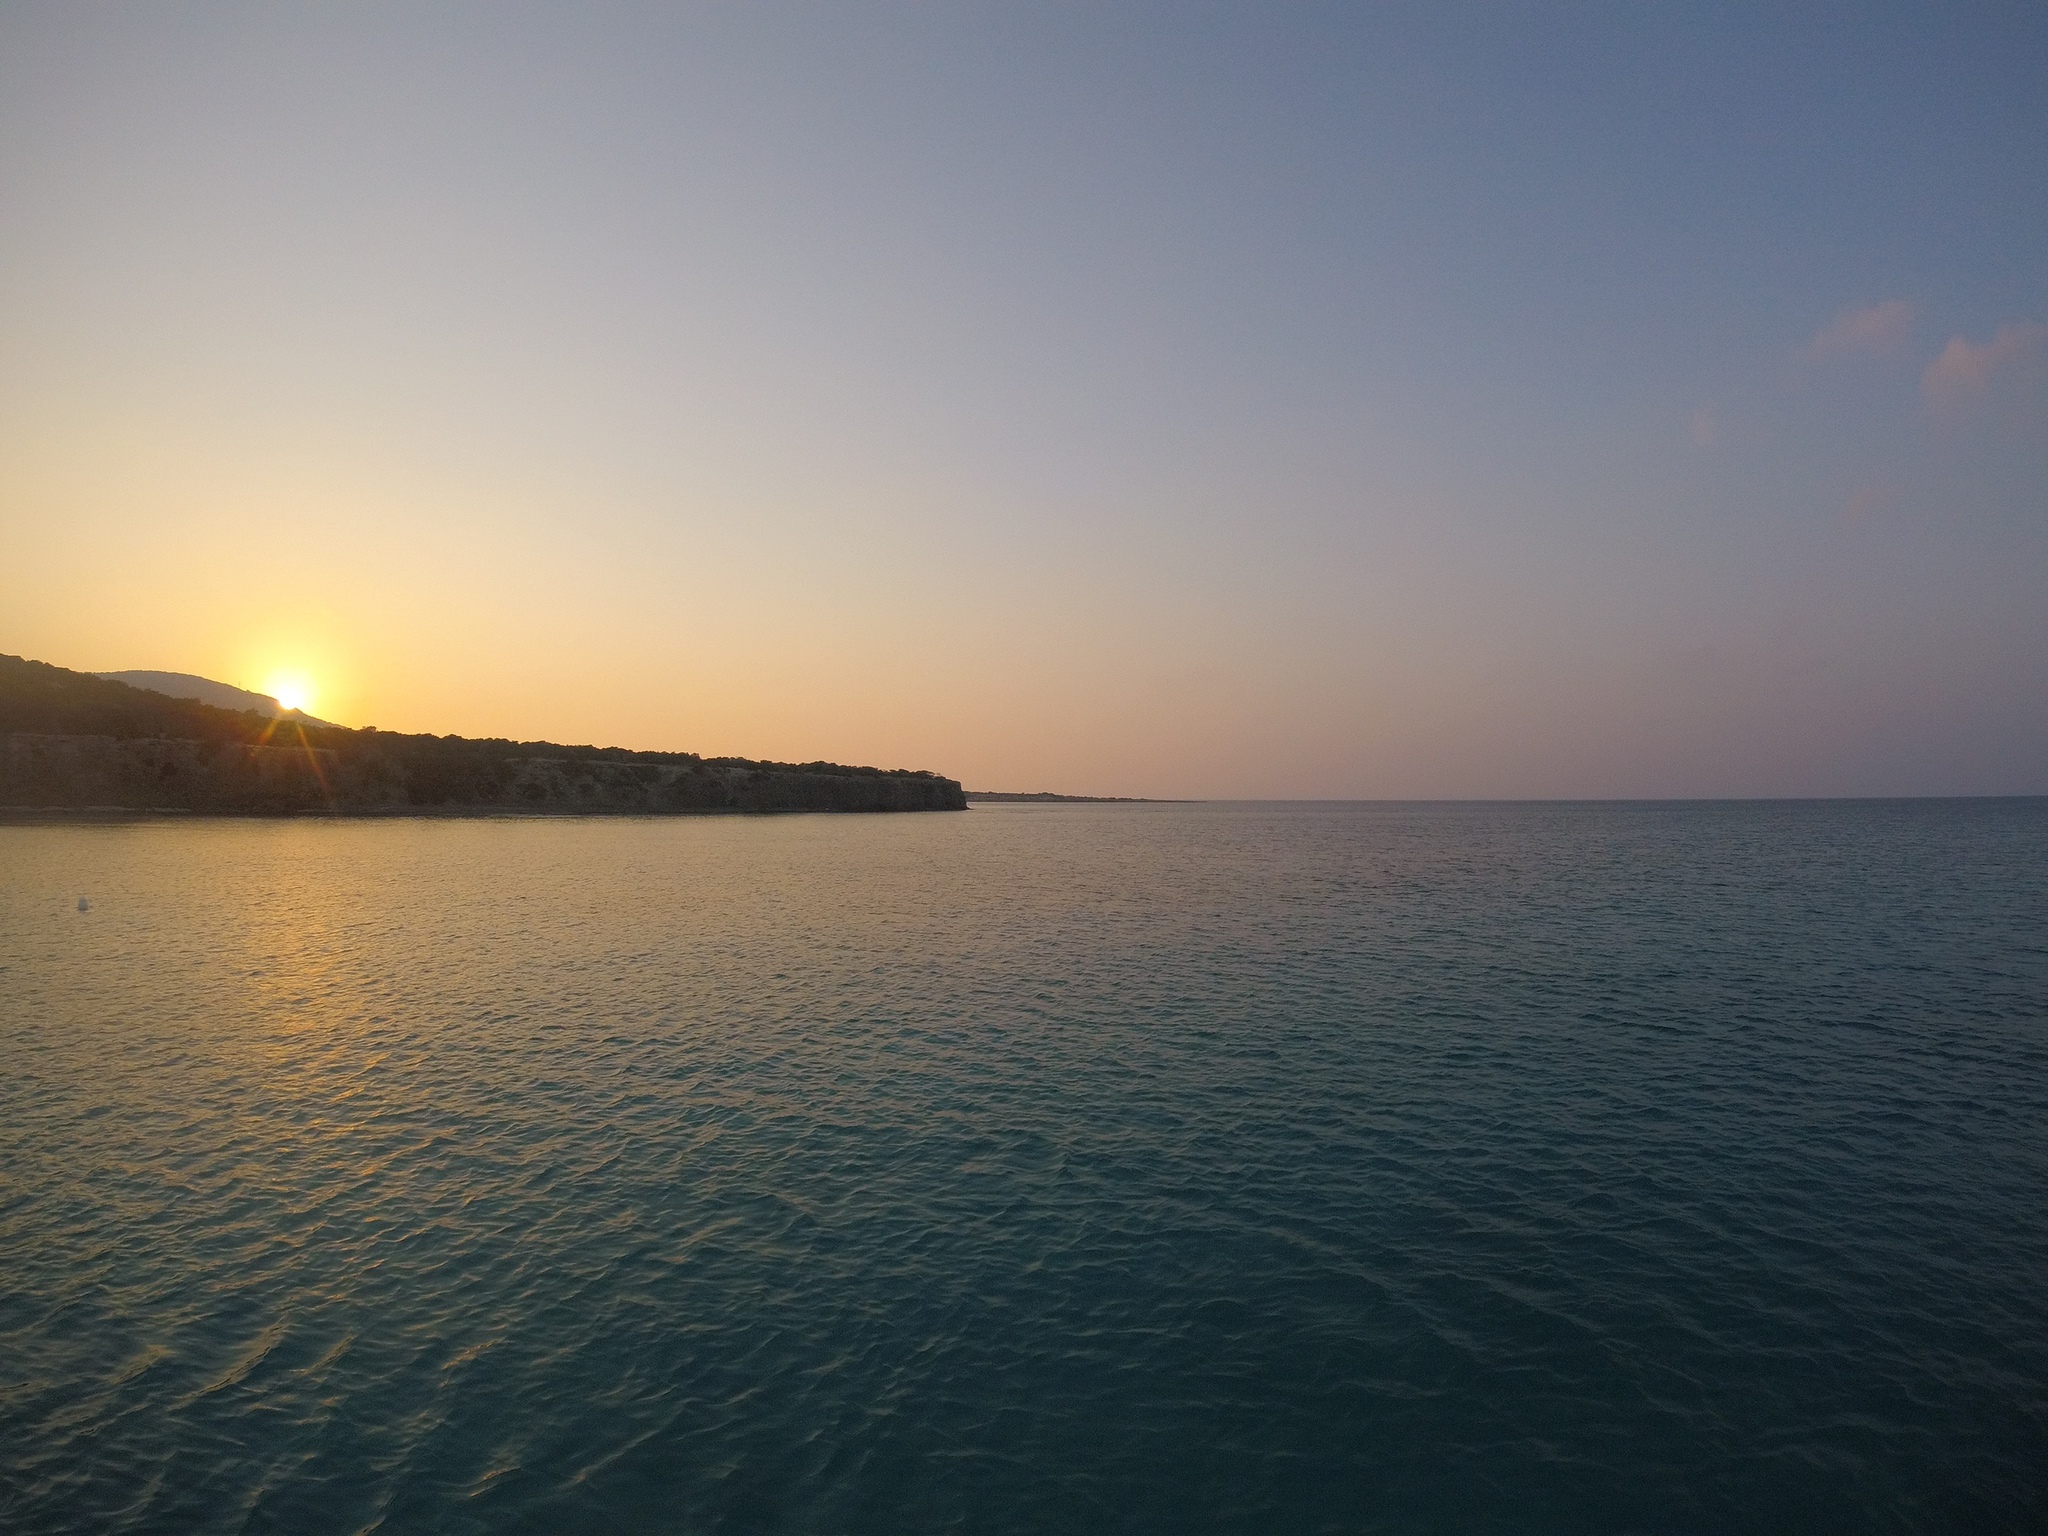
84,905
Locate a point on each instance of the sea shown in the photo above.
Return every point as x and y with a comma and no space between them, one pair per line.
1039,1168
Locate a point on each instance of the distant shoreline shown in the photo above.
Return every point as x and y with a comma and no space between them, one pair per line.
73,742
30,815
1046,797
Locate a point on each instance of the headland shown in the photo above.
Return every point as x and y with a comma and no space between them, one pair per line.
74,743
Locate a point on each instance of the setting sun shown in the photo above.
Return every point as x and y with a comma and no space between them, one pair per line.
292,692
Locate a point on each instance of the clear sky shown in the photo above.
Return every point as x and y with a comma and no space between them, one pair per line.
1160,399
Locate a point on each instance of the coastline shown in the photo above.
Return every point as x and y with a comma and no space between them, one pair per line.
70,741
83,815
1046,797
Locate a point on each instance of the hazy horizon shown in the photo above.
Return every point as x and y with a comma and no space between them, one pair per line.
1402,403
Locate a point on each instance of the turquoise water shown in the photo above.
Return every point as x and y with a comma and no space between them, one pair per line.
1102,1168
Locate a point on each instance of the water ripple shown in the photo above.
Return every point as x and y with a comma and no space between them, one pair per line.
1255,1168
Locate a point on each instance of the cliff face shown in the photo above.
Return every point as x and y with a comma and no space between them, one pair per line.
81,772
72,741
146,774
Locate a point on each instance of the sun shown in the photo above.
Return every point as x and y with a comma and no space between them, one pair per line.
291,691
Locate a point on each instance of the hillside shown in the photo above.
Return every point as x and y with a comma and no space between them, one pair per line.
183,685
76,741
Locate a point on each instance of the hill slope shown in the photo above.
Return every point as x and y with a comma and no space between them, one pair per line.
183,685
73,740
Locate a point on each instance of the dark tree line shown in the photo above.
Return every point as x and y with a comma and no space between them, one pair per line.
221,759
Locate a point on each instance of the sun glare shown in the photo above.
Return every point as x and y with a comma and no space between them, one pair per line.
291,692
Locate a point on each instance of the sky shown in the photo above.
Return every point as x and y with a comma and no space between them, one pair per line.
1244,401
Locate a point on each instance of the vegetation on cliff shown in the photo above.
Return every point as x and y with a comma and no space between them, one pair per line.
73,740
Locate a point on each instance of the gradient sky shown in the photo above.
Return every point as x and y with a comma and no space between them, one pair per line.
1174,400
